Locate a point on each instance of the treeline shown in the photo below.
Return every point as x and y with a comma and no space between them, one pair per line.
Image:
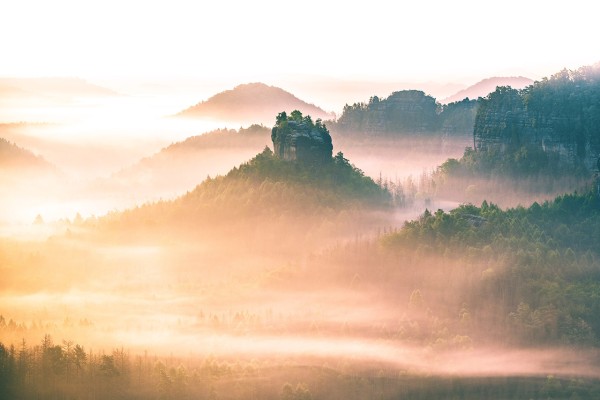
406,111
13,156
507,178
262,202
67,370
268,186
64,370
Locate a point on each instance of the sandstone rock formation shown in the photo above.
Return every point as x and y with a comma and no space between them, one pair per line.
298,138
559,116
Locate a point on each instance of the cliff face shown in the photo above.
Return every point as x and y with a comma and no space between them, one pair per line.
502,122
560,116
298,138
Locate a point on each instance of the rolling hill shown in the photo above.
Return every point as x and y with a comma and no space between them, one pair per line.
252,103
211,153
15,157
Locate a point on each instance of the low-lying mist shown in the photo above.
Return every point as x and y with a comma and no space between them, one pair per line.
137,243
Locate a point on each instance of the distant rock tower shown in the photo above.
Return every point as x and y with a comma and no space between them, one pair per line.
298,138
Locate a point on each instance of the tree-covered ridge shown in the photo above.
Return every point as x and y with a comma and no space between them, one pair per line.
266,185
222,138
339,176
410,110
12,155
554,123
407,111
539,266
266,193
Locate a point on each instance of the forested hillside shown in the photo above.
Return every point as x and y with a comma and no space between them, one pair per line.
18,158
408,112
550,126
533,272
266,194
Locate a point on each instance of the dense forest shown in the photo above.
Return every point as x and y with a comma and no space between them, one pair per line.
332,185
537,268
550,126
293,203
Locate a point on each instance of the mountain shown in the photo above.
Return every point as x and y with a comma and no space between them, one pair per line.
486,86
20,88
15,157
252,102
211,153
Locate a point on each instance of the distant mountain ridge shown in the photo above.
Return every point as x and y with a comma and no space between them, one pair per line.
486,86
13,156
212,153
59,87
254,103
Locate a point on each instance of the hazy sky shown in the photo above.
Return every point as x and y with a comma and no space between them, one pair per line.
443,41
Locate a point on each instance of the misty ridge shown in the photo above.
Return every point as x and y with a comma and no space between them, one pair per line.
405,249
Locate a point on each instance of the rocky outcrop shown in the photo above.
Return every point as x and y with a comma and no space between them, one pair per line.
297,138
560,116
502,122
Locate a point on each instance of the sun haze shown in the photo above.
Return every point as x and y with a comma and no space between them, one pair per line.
299,200
415,41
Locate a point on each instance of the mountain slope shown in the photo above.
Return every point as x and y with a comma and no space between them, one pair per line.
486,86
535,269
15,157
266,202
211,153
252,102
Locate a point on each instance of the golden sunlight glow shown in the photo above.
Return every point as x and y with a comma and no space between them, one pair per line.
158,239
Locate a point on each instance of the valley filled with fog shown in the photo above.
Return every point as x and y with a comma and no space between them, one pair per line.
151,249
